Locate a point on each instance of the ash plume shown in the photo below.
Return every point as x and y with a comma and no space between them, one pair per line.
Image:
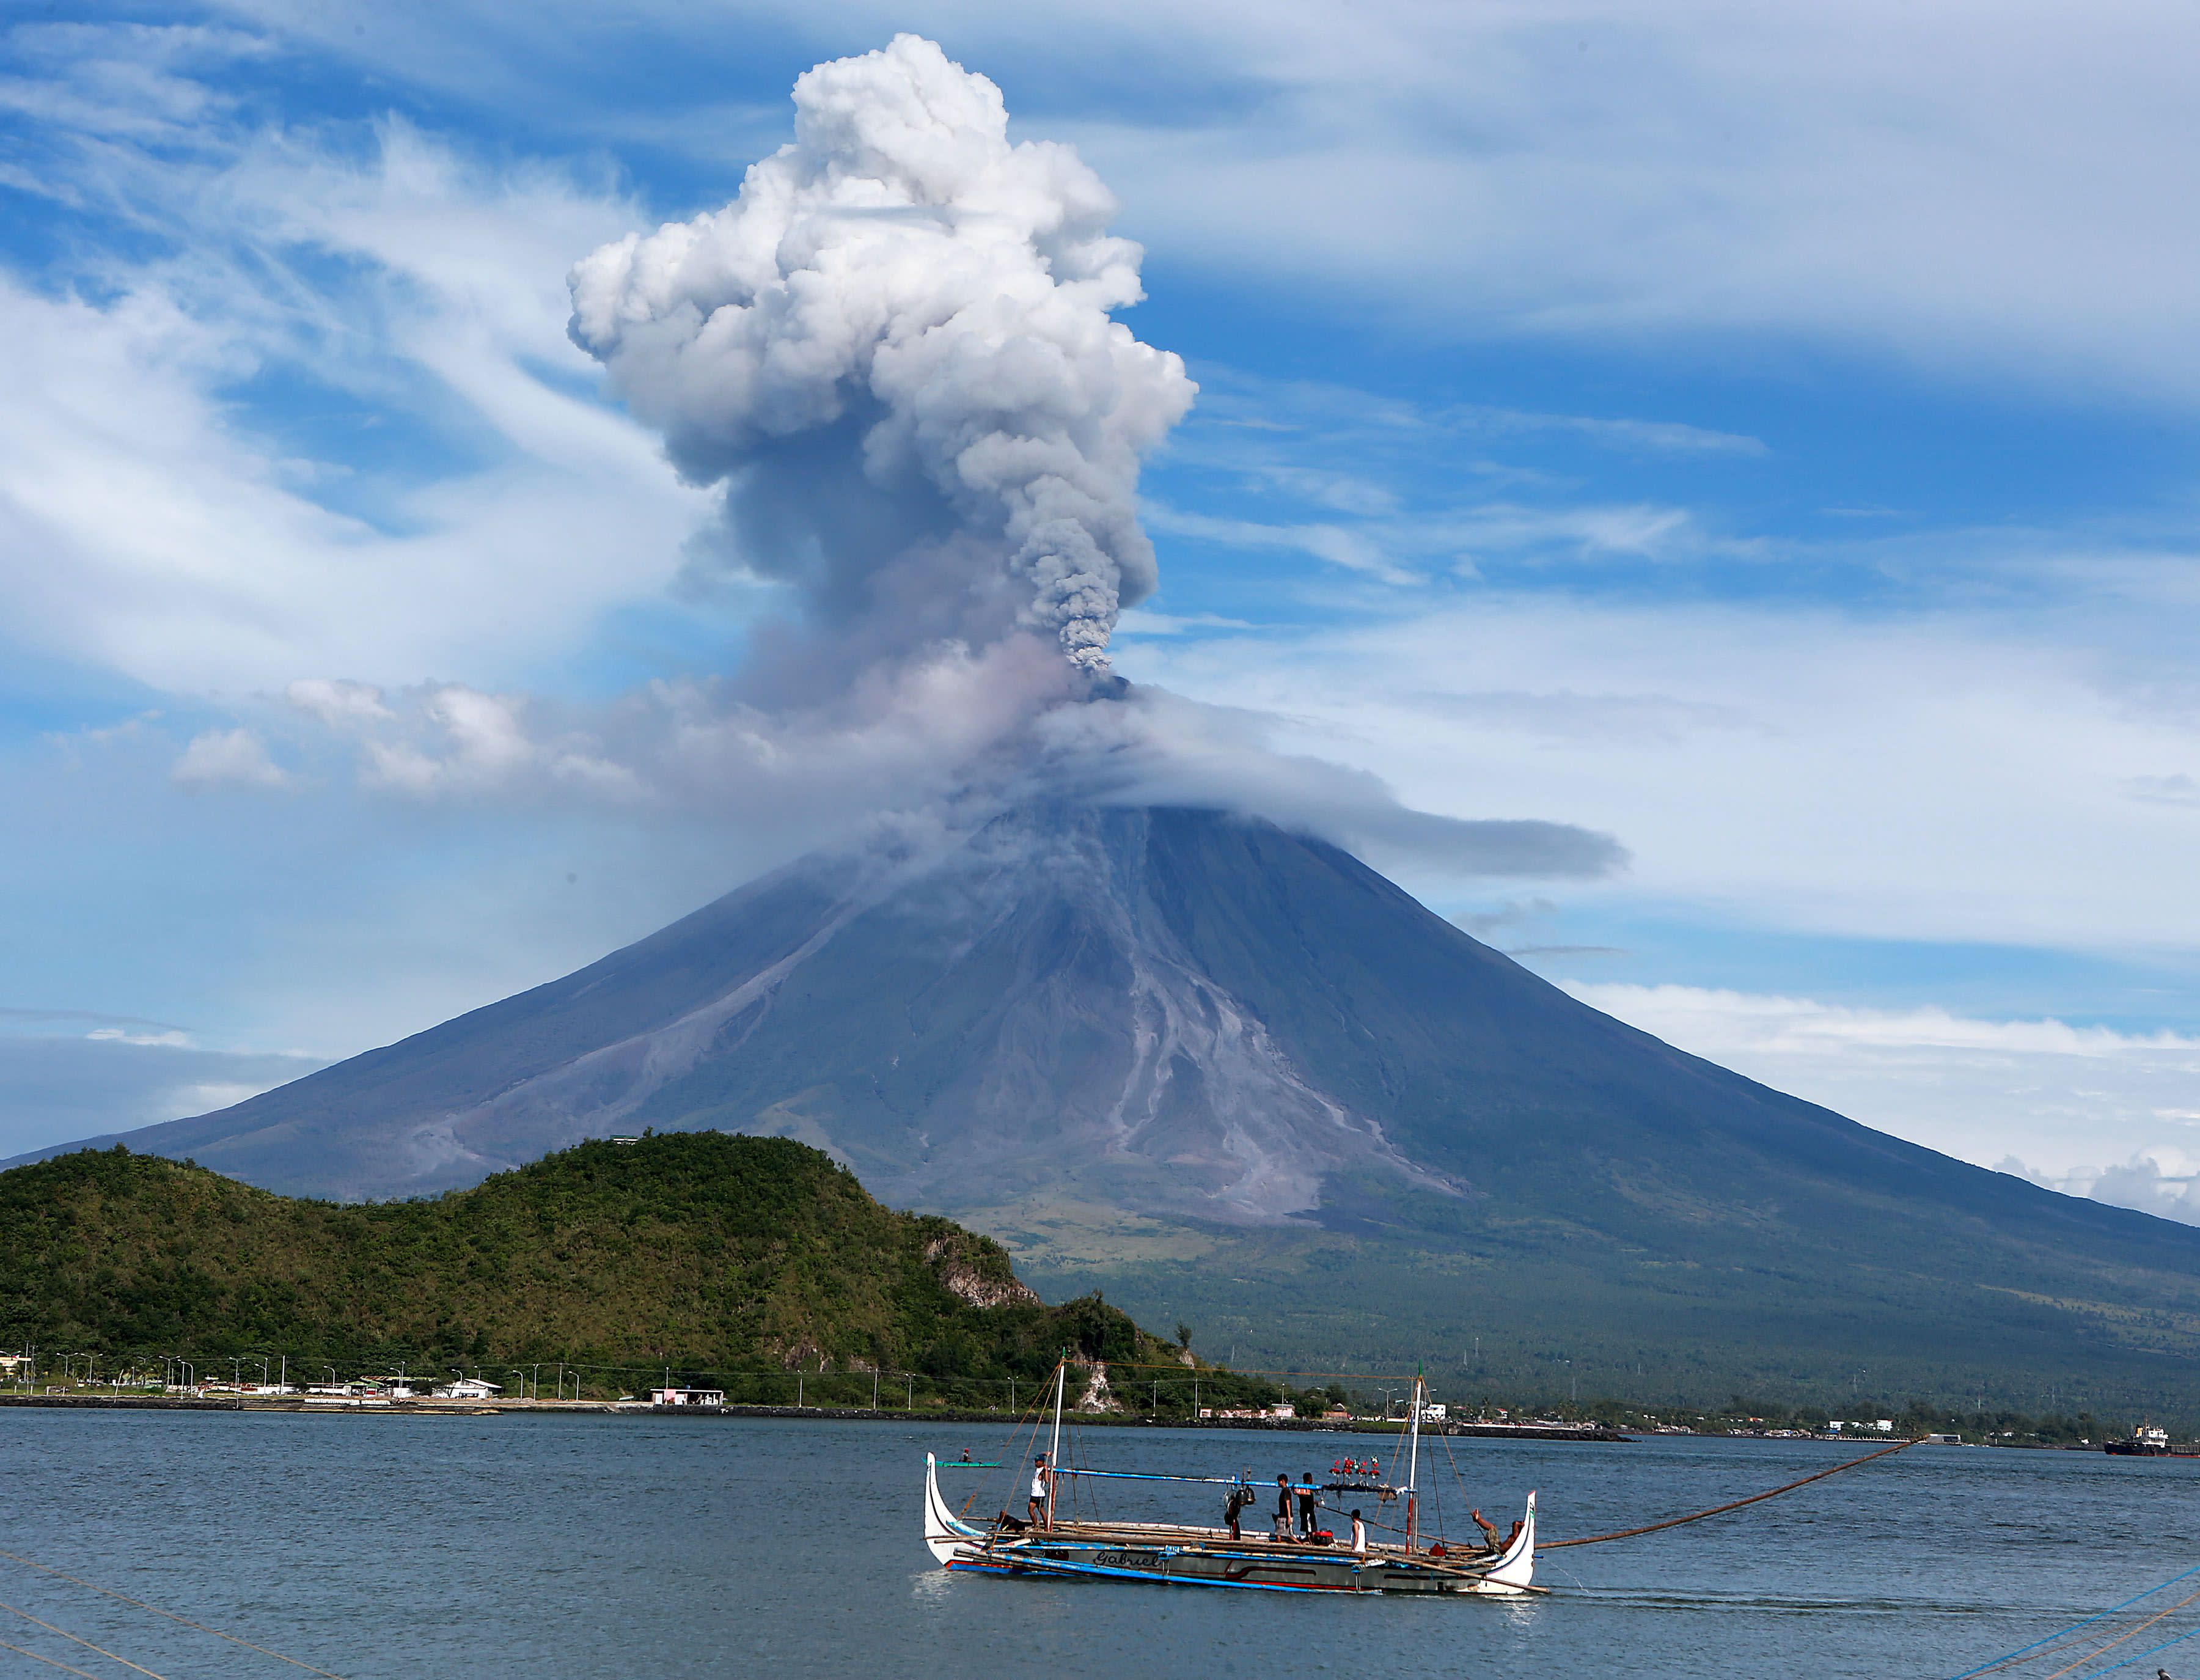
895,350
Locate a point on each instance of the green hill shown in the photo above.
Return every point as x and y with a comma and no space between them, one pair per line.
738,1260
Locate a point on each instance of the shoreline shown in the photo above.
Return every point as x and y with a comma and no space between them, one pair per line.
790,1414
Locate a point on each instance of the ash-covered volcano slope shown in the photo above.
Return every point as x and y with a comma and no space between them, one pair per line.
1238,1077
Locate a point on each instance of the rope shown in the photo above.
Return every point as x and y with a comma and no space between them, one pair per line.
2141,1656
1011,1462
171,1616
2127,1634
2098,1615
1718,1510
21,1651
86,1643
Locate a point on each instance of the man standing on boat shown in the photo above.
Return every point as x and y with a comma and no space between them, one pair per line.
1359,1535
1309,1504
1283,1507
1240,1500
1036,1507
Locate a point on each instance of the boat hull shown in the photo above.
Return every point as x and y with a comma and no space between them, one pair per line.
1212,1566
1186,1558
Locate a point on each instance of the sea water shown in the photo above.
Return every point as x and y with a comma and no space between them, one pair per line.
388,1545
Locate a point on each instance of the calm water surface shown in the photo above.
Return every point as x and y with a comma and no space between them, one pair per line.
392,1546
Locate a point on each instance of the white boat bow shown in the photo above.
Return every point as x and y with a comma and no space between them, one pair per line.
944,1531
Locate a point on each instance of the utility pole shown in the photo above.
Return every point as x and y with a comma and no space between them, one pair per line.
874,1388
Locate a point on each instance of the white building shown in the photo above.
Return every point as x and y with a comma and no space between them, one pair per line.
469,1388
687,1396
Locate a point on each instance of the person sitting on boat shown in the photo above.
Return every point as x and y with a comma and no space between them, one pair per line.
1309,1502
1240,1499
1489,1530
1283,1507
966,1455
1359,1535
1035,1507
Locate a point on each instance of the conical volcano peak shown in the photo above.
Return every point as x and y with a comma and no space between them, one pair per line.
1217,1065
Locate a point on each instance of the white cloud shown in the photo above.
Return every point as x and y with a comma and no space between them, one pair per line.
1777,1026
1354,550
2040,1098
171,1038
1930,777
1979,188
338,702
1970,188
146,527
227,758
55,1090
481,744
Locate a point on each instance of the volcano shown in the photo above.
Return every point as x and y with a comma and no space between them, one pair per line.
1235,1076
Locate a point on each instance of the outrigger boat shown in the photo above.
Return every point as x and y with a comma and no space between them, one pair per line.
1073,1549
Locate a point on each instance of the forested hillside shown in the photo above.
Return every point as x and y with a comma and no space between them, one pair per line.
739,1259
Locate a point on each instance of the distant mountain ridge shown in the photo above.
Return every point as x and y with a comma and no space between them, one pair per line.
1236,1075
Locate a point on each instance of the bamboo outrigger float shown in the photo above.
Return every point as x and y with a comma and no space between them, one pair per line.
1185,1556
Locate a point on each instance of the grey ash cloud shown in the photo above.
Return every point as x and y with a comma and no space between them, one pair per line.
896,350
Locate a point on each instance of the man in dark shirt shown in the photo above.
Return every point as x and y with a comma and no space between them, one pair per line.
1234,1507
1283,1507
1309,1503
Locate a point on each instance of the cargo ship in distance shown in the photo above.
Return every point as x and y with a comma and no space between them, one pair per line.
2146,1440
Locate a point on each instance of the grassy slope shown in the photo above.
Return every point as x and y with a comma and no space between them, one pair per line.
713,1253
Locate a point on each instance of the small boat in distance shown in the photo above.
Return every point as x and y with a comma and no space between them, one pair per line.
1185,1555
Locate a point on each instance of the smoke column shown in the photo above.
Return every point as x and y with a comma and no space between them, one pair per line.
895,350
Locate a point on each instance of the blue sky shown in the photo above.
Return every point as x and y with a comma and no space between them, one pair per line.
1765,438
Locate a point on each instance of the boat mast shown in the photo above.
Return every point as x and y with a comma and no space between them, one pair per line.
1054,1452
1413,1467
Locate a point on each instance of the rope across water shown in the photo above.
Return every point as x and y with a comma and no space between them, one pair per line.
154,1609
1731,1505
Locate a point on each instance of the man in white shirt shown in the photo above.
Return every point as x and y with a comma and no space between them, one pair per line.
1035,1507
1359,1535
